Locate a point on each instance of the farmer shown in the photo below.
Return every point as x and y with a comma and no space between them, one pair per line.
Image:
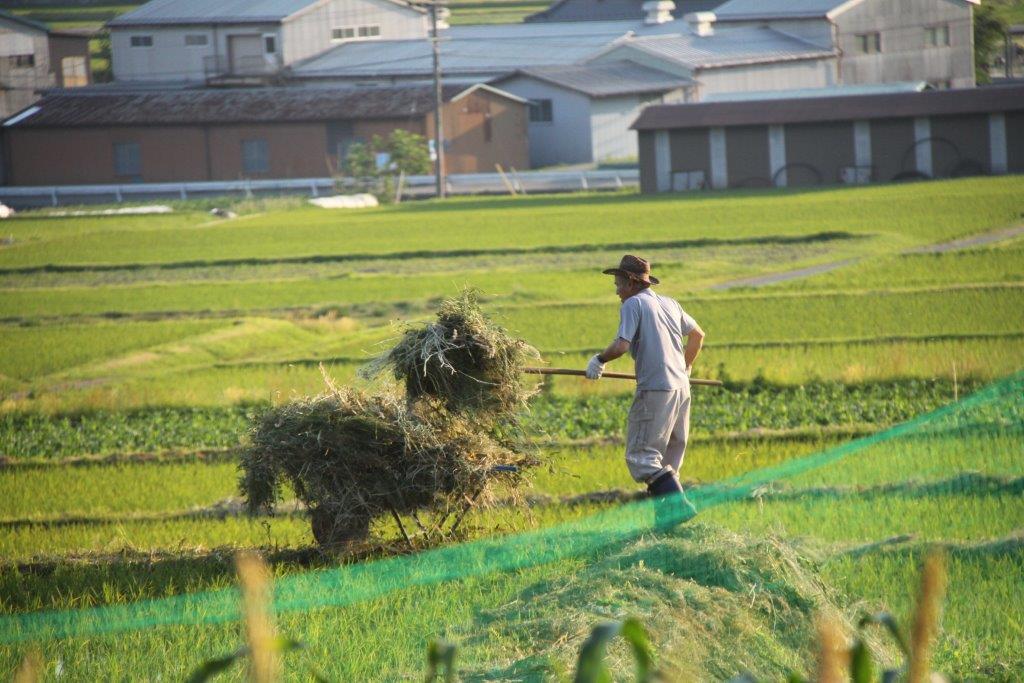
653,328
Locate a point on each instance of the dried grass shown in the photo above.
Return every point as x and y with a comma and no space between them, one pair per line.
464,360
351,456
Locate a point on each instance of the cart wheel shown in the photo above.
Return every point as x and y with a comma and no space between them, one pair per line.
332,533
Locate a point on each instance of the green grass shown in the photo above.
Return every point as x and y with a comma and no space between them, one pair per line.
819,360
930,212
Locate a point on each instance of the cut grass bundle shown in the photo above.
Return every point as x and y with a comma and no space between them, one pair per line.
351,456
463,359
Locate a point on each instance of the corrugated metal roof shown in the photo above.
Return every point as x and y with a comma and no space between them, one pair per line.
184,107
835,91
728,46
848,108
497,50
606,79
734,10
210,11
603,10
475,55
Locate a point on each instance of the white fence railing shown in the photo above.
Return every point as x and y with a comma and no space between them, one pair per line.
413,187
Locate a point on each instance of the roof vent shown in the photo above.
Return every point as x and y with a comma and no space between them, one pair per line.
658,11
701,23
443,15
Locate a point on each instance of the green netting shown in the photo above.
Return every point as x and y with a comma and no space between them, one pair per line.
970,447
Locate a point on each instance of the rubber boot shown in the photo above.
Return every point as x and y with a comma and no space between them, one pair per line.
671,506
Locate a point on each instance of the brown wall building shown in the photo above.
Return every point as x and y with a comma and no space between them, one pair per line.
187,135
832,140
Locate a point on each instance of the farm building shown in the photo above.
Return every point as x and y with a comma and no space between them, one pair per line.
597,101
195,135
826,140
240,41
33,58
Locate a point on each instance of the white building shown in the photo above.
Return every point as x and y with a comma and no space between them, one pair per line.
597,102
189,41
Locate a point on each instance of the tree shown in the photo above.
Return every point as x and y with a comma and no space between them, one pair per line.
409,153
989,35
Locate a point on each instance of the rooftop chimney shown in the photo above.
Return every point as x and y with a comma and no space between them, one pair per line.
700,22
658,11
443,15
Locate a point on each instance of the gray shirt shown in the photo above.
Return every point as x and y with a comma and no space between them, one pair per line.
655,326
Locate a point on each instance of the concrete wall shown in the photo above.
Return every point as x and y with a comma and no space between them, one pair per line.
309,32
567,138
809,73
905,56
170,59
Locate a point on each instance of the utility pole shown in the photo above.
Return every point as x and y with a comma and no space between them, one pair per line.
435,40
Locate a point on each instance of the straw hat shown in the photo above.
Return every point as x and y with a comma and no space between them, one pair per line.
635,268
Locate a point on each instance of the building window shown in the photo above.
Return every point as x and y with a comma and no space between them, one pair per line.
142,41
21,61
937,36
127,160
365,32
488,132
270,44
196,39
74,72
255,156
869,43
540,111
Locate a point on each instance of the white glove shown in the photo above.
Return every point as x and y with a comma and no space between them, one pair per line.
689,369
595,367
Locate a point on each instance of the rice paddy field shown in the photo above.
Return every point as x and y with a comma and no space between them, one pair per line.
871,414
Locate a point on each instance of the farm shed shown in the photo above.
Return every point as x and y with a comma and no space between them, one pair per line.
32,58
582,113
199,41
193,135
827,140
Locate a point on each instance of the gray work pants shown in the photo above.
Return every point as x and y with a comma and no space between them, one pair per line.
656,432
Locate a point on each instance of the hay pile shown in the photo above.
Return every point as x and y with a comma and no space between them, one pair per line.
351,456
463,359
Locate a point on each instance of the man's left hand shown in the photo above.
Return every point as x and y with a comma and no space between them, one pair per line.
595,368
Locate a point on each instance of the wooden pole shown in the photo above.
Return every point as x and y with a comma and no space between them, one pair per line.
609,375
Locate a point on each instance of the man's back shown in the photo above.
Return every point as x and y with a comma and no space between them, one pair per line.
655,326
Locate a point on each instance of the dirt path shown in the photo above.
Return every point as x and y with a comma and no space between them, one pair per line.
940,248
772,278
964,243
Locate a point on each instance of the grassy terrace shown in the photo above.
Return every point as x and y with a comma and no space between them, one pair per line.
135,351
